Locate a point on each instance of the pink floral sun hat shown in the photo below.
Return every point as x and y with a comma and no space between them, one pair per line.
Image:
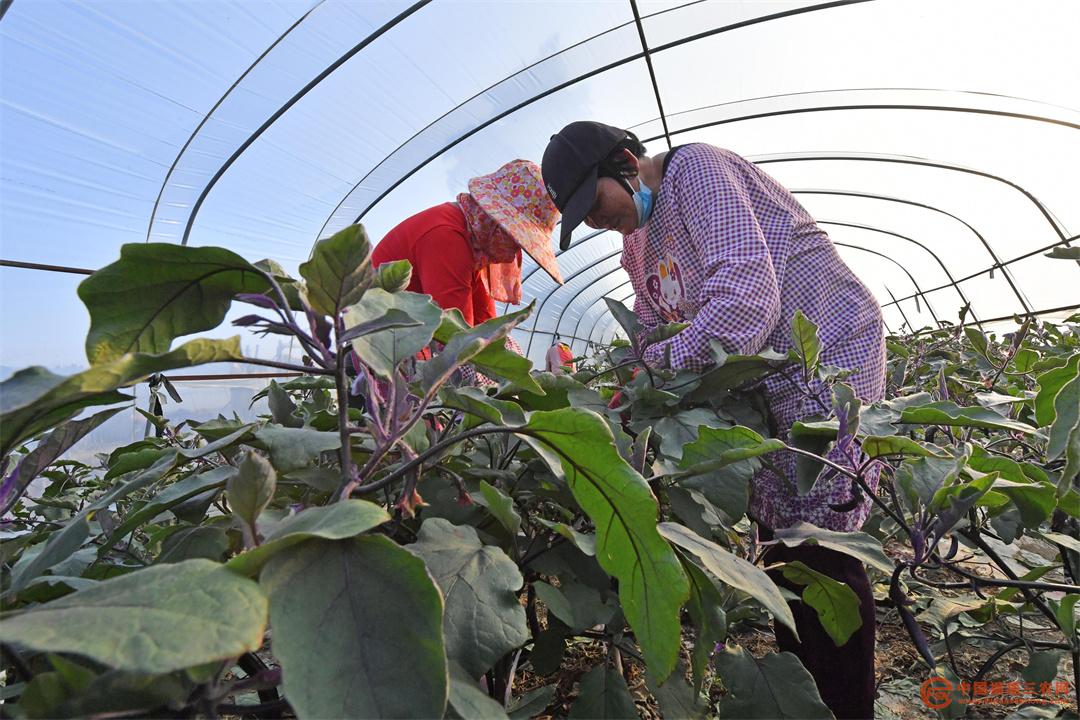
515,198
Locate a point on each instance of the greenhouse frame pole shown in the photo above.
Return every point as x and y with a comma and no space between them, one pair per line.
652,73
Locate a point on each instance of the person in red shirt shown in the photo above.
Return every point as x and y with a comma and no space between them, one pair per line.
467,254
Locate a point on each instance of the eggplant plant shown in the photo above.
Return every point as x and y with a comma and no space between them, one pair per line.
393,539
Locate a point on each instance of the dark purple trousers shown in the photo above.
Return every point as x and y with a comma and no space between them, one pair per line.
845,674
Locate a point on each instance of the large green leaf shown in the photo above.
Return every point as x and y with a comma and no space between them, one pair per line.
561,391
47,451
680,429
114,692
1035,501
282,407
157,292
579,445
919,478
1066,614
776,686
718,447
1050,383
392,320
495,360
358,630
295,448
706,608
204,541
59,547
720,463
468,701
837,604
532,703
35,399
483,619
733,372
626,318
859,545
250,489
577,605
339,270
466,345
732,570
341,520
953,502
480,407
394,276
604,695
500,505
154,620
586,543
383,351
882,445
172,495
879,419
1065,433
678,698
949,413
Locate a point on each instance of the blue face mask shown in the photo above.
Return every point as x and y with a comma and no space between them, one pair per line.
643,201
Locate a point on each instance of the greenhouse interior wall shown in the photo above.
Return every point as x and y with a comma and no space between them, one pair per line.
937,143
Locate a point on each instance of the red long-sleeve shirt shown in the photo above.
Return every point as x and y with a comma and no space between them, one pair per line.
436,243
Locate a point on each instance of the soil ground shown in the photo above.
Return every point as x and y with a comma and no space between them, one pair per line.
899,670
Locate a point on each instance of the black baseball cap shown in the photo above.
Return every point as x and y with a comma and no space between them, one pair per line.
571,166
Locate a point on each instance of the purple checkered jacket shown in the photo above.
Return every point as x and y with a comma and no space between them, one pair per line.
733,253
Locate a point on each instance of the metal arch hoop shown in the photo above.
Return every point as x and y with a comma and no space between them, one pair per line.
944,268
292,101
597,71
543,302
210,113
943,166
914,283
462,104
985,244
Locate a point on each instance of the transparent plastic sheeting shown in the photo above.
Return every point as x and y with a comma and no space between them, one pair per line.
937,143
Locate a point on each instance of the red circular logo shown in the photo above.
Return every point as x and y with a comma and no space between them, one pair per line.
936,692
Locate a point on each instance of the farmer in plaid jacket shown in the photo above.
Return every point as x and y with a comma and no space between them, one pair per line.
711,240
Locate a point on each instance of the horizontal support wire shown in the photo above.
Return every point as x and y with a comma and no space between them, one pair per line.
1003,265
49,268
1033,314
